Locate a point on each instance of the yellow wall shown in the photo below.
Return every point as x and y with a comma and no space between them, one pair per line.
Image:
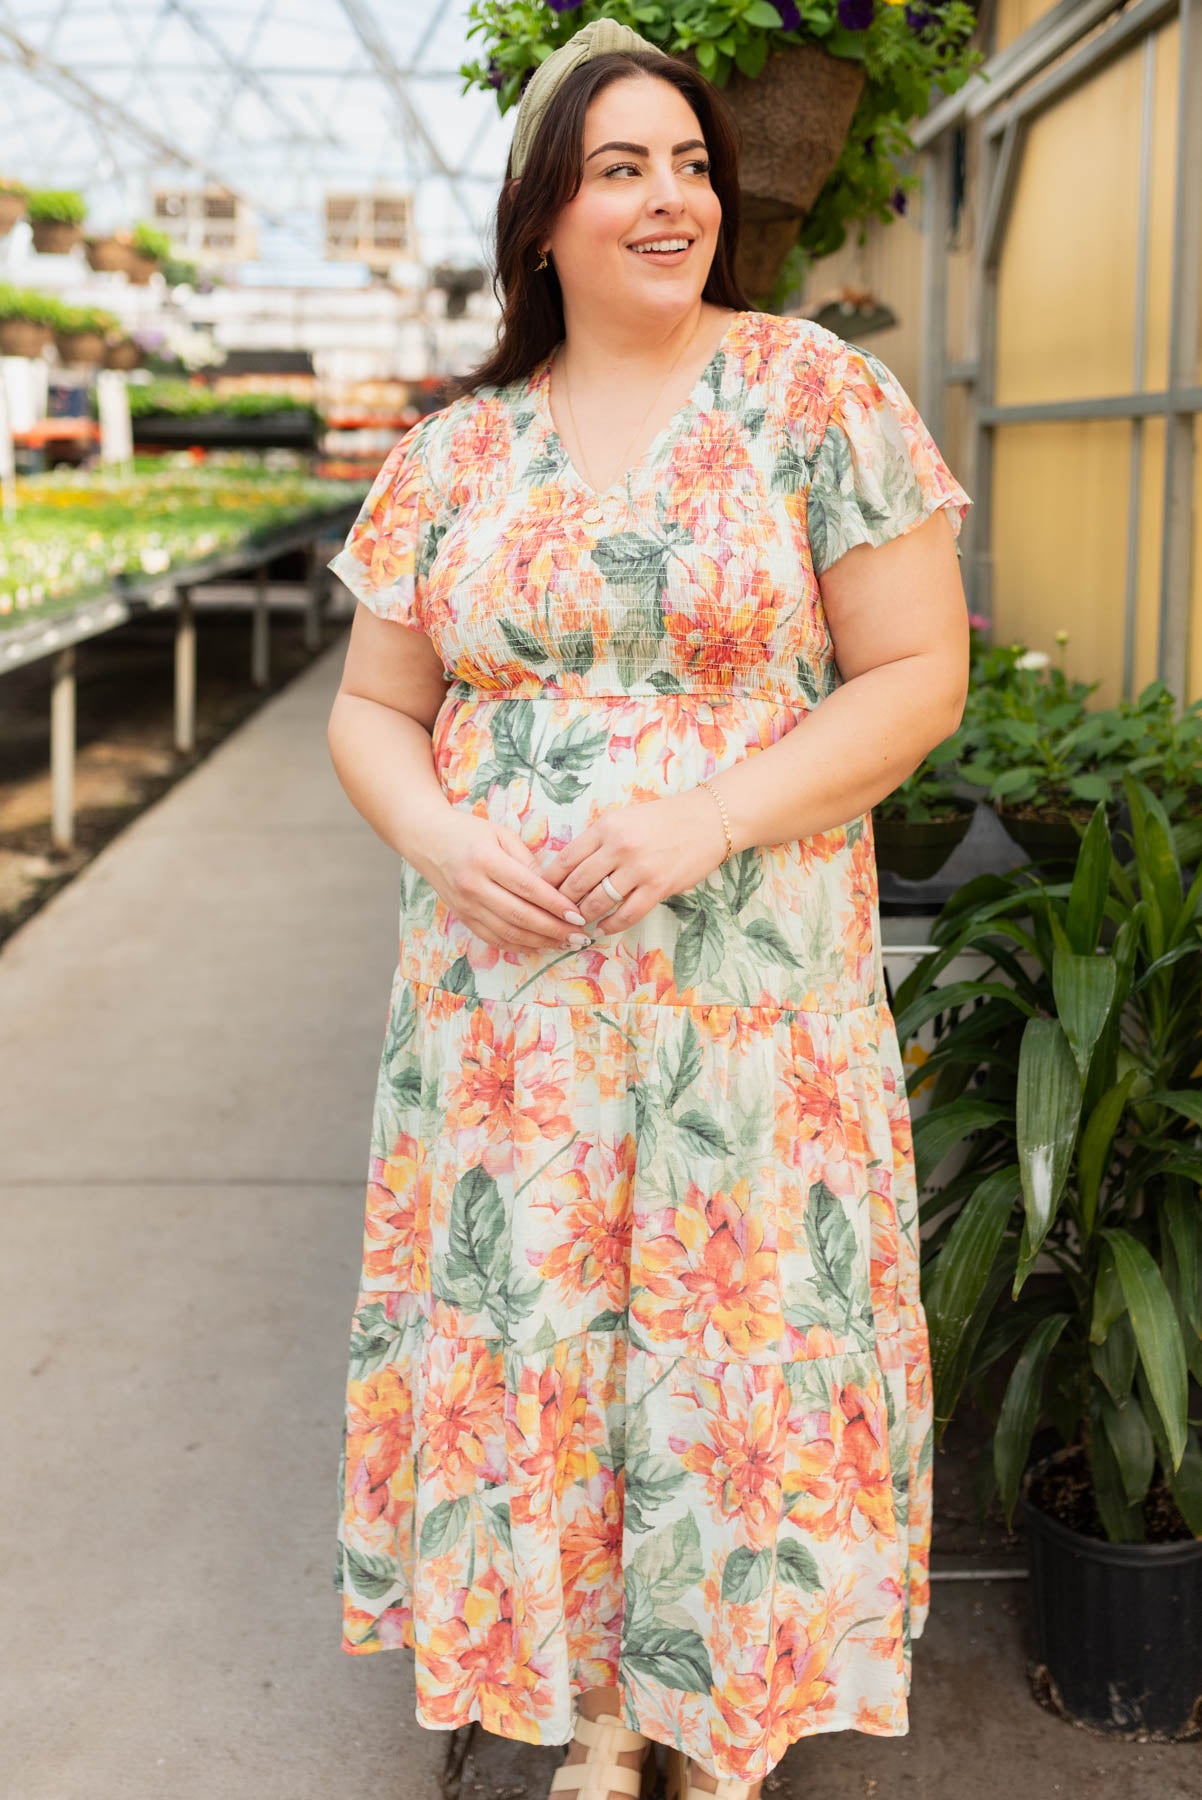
1066,316
1013,17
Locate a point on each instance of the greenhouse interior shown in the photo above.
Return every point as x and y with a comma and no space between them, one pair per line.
250,255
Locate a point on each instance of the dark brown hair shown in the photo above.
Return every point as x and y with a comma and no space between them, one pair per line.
532,301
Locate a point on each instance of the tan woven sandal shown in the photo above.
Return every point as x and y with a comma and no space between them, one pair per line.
601,1774
677,1785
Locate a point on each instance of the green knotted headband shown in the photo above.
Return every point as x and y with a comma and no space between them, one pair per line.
595,39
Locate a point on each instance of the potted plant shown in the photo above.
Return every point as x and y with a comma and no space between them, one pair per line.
122,352
148,248
917,826
56,215
1040,758
12,204
27,320
1162,748
110,253
80,333
1067,1248
822,92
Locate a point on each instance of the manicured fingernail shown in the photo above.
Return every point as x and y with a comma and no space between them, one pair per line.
579,939
574,918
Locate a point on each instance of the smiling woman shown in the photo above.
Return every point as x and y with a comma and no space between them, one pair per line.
638,1424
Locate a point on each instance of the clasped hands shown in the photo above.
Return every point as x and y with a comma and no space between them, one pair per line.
512,899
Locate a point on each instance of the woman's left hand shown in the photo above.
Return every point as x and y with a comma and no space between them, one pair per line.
649,852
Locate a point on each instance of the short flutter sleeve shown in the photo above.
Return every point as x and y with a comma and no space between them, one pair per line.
878,471
389,548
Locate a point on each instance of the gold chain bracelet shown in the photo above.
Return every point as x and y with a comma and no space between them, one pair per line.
730,846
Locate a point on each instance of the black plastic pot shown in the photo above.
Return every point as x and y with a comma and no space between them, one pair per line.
1045,840
291,429
915,849
1117,1628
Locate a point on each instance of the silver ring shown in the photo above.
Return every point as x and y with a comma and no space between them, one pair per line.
611,890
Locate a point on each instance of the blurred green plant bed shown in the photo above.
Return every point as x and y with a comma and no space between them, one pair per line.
185,400
1030,745
78,532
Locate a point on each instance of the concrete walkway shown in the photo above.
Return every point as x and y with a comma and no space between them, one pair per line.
188,1039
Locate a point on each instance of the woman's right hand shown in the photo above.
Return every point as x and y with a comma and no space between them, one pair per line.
485,874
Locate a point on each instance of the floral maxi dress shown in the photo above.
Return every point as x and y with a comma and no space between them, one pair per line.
639,1391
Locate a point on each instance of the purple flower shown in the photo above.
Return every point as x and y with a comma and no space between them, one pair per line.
856,15
898,200
919,17
496,74
563,6
790,18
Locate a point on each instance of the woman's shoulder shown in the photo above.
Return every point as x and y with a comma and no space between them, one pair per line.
786,341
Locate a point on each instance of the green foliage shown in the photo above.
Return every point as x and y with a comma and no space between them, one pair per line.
147,240
27,303
86,318
1029,739
1077,1101
183,400
902,65
58,206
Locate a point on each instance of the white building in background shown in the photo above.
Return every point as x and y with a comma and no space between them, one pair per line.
207,225
376,229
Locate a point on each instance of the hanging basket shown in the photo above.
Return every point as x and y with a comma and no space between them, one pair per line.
140,268
108,255
12,208
793,119
54,237
85,347
22,337
122,355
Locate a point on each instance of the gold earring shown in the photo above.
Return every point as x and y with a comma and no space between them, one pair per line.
542,262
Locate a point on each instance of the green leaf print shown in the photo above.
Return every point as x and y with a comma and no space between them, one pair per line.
674,1657
702,1132
607,1321
813,691
525,646
767,939
670,1562
375,1340
371,1576
745,1575
650,1482
499,1525
795,1564
701,945
556,766
443,1525
688,1065
791,471
740,878
832,476
460,978
664,682
577,652
636,561
468,1270
832,1244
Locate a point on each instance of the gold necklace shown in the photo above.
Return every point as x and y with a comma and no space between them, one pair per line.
634,434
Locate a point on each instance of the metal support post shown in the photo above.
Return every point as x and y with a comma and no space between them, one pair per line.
260,650
185,671
62,750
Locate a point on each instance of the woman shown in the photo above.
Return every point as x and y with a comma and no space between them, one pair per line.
638,1420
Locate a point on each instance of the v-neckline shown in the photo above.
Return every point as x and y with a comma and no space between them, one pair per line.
542,395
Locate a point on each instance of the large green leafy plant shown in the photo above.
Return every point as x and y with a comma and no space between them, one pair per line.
1070,1073
906,49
